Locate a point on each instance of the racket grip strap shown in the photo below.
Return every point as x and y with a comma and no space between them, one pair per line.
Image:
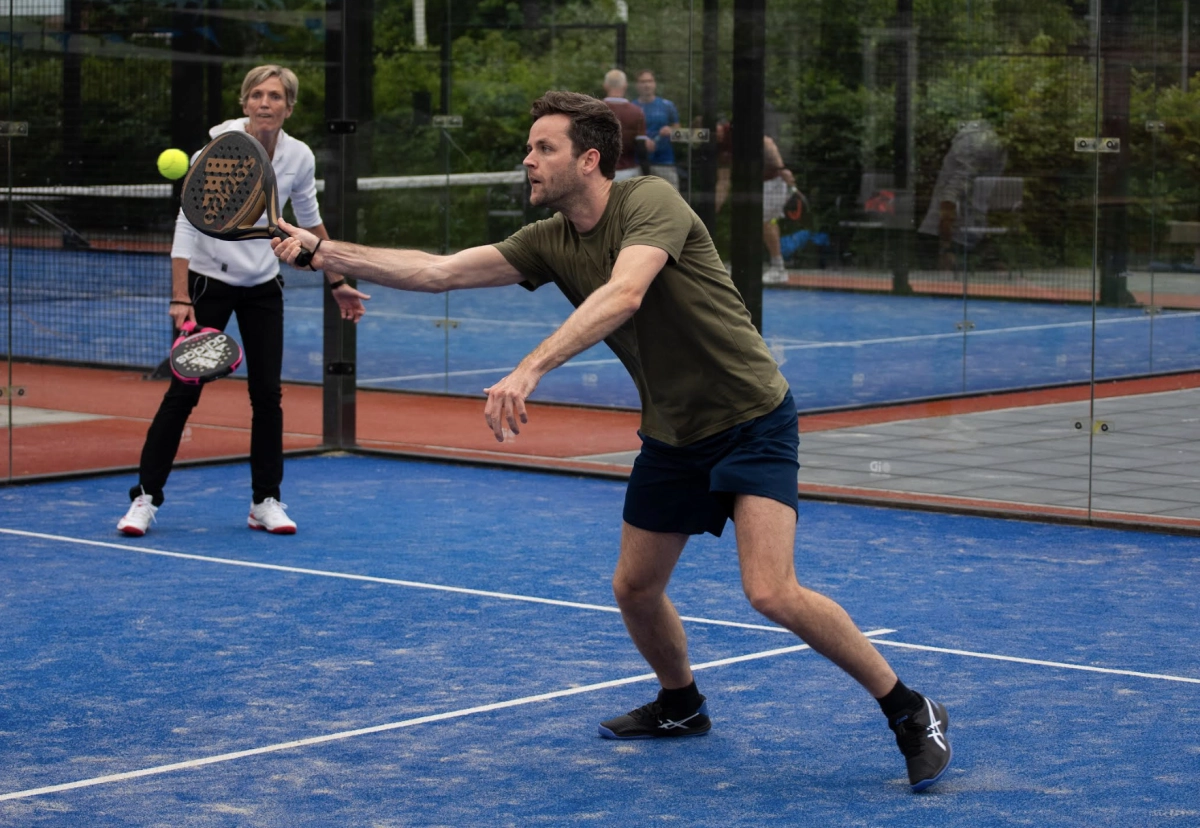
305,258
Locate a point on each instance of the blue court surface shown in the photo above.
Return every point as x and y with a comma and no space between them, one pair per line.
836,349
437,644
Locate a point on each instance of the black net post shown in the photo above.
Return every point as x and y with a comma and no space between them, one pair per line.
746,175
347,88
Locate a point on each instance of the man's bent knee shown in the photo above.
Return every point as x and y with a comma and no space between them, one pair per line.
631,593
773,600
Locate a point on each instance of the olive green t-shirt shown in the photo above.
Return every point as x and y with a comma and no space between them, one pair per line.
699,364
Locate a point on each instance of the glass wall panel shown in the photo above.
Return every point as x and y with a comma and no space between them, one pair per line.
859,318
104,89
1022,240
951,246
568,47
1143,430
979,239
944,254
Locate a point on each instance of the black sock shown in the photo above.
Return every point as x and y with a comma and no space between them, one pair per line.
899,701
681,702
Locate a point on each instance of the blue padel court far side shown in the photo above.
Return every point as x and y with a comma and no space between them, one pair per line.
437,644
836,348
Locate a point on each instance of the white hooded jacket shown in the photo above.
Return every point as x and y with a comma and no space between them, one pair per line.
251,262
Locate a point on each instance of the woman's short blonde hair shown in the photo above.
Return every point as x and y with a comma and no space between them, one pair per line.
291,84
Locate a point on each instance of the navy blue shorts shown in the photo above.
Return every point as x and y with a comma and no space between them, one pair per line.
690,489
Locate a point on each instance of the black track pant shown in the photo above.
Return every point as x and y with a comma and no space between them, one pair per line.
259,312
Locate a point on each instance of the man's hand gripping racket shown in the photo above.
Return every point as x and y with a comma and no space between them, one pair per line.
228,188
294,243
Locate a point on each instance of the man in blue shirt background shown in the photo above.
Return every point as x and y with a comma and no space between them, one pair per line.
661,118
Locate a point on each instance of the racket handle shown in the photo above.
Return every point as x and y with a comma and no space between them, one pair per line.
304,258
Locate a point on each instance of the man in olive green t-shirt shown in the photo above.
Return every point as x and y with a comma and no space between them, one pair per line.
719,430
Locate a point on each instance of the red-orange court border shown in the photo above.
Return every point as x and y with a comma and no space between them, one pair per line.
567,438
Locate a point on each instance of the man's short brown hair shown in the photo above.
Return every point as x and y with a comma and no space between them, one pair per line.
593,125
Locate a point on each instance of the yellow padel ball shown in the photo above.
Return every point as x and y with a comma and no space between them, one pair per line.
173,163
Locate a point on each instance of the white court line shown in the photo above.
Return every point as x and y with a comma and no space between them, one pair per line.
575,604
321,573
349,734
1039,662
557,694
571,604
365,731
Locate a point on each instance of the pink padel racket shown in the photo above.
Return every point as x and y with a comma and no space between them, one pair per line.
202,355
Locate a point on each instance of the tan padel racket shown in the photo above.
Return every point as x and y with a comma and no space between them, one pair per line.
228,188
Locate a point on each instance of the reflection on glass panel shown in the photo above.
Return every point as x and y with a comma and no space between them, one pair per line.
928,161
994,203
1143,431
945,244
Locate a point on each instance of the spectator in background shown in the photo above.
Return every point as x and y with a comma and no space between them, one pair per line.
975,151
634,142
778,185
661,119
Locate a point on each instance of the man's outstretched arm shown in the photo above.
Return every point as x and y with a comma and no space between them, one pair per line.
401,269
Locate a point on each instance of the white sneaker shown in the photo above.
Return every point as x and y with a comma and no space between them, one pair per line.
775,275
139,517
271,517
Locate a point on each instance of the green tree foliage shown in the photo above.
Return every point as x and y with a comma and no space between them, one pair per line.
496,70
1026,66
1161,188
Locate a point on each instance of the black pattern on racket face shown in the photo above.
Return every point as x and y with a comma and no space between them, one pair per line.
205,356
225,191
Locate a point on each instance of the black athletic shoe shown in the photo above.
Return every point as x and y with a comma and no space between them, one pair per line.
648,722
921,736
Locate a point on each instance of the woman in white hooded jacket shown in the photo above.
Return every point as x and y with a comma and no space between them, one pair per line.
211,280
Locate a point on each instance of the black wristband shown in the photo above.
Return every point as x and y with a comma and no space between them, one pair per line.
337,284
313,254
180,302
